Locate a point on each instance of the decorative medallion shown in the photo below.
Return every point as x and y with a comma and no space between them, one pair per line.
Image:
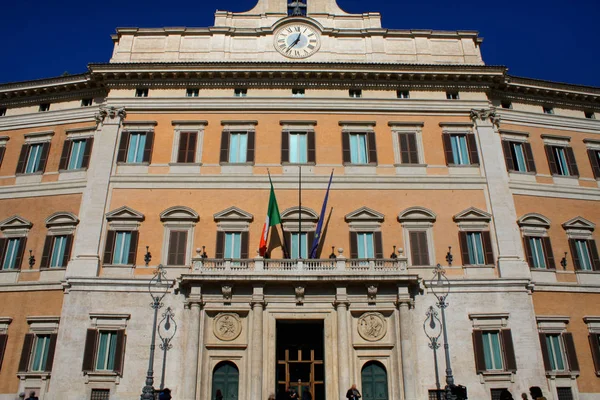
227,326
297,40
372,326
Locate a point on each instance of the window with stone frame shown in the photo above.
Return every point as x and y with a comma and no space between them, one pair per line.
407,138
475,237
584,251
298,144
536,242
4,323
34,153
104,348
179,223
77,150
593,150
493,345
136,142
59,240
366,239
3,141
558,346
359,146
232,242
560,155
238,142
187,142
13,242
417,224
518,155
121,243
593,325
460,146
37,355
299,231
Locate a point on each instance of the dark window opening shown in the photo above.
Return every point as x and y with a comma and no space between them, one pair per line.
87,102
192,92
141,92
452,96
44,107
355,93
403,94
506,104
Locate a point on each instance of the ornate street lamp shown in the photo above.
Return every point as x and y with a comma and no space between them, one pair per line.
166,330
440,287
433,331
158,288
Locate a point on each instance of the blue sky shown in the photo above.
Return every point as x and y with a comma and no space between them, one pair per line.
543,39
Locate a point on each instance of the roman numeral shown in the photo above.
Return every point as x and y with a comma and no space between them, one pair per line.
310,46
297,29
289,30
282,46
296,53
311,34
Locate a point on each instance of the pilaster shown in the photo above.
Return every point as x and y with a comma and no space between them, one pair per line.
256,370
341,304
85,260
511,260
195,340
404,304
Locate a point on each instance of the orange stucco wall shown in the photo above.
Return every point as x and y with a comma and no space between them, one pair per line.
19,306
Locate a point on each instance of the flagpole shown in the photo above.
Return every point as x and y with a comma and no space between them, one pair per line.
300,211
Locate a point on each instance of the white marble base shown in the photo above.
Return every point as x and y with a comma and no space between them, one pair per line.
9,276
29,179
74,175
543,275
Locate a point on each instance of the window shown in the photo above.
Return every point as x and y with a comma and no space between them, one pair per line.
555,352
40,353
100,394
232,234
179,223
192,92
518,156
588,115
298,92
564,393
177,248
492,351
135,147
366,245
298,147
419,251
104,350
233,245
359,147
44,107
12,251
2,111
539,252
237,147
76,154
561,161
594,339
594,155
240,92
355,93
141,92
548,110
476,248
299,245
187,147
558,351
4,322
493,344
57,251
496,394
452,95
87,102
435,394
38,350
460,149
121,247
585,254
506,104
402,94
33,158
408,147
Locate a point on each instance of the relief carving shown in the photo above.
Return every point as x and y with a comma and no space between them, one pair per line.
227,326
372,326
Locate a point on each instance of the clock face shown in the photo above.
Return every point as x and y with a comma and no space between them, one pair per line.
297,41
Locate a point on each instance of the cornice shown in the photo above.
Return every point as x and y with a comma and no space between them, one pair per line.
555,191
42,189
59,117
555,122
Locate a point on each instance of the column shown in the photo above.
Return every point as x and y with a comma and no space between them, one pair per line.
256,370
195,339
341,304
511,260
408,352
86,248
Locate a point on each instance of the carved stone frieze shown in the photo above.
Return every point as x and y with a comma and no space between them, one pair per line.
227,291
372,326
227,326
300,294
111,113
372,293
484,114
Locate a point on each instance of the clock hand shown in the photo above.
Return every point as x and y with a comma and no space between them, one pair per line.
296,41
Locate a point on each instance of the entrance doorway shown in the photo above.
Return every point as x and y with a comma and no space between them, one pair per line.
226,378
374,381
301,359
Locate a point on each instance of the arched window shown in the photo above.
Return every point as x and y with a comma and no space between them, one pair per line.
226,378
374,381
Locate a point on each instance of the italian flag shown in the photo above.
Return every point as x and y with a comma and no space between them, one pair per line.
273,218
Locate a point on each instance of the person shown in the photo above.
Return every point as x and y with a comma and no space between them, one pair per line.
219,395
353,393
306,394
524,396
165,394
32,396
536,393
271,396
291,393
506,395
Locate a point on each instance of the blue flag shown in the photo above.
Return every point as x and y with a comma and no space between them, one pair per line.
315,244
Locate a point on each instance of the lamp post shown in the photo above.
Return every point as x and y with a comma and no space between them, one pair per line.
157,287
440,287
166,331
433,331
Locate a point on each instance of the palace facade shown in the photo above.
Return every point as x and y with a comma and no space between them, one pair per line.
162,157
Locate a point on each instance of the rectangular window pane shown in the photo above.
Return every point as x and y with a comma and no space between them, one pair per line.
58,251
40,353
537,252
561,161
33,161
475,247
77,150
492,351
365,245
107,343
564,393
137,143
358,148
303,245
555,352
298,147
238,145
519,157
122,243
584,255
233,245
460,149
10,257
